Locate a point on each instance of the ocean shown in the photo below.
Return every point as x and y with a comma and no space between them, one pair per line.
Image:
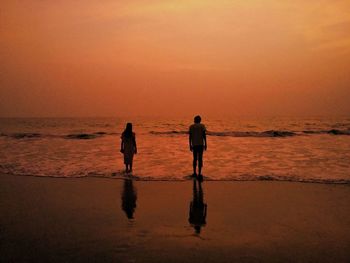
282,149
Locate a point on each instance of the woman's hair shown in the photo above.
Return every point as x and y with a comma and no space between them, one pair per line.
128,130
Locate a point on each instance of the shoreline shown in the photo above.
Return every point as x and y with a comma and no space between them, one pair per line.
247,221
189,178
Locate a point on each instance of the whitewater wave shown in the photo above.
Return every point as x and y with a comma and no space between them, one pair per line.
99,134
269,133
22,135
82,136
238,178
85,136
168,132
339,132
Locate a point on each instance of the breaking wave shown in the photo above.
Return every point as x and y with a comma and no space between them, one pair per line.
269,133
85,136
22,135
81,136
339,132
257,134
238,178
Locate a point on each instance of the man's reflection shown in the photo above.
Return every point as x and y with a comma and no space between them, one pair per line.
198,209
129,198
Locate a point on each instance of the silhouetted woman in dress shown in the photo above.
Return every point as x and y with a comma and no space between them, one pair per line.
128,147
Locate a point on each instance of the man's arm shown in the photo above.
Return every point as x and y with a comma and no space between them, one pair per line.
205,140
190,140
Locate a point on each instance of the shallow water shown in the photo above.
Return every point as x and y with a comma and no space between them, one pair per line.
286,149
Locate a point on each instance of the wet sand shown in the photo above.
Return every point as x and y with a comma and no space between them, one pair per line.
85,220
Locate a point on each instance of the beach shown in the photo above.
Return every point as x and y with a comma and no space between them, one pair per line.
47,219
175,131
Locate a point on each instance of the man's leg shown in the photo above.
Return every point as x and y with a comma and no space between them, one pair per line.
194,160
200,161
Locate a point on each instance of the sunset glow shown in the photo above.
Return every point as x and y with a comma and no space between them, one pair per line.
110,58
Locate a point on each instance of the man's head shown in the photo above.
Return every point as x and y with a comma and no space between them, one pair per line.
197,119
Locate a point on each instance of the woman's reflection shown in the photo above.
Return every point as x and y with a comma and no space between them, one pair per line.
198,209
129,198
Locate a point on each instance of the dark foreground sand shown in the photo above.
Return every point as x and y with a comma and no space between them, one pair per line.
81,220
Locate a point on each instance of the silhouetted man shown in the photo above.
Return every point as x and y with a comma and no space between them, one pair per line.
198,143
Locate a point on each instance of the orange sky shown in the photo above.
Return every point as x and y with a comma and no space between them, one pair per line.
138,57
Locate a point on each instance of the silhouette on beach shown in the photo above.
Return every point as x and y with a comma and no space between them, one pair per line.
128,147
129,198
198,144
198,209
